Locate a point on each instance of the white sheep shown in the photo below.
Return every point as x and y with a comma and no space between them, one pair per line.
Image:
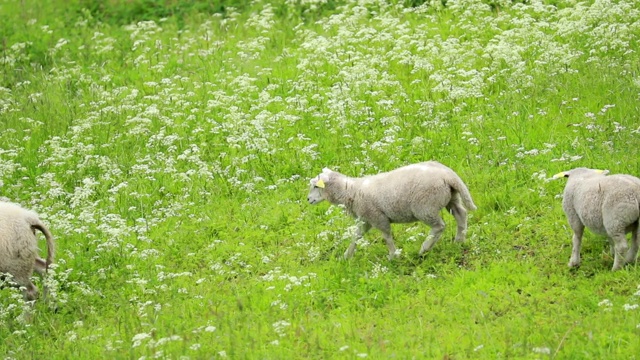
607,205
19,246
411,193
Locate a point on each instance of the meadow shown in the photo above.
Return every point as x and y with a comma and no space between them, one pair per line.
169,147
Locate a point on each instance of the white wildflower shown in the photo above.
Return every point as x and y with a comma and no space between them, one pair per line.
541,350
138,338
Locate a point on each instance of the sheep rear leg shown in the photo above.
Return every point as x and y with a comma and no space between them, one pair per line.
30,291
621,250
577,242
622,218
437,228
40,267
362,229
633,250
460,214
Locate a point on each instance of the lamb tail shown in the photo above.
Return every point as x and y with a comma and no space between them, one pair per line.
38,225
458,186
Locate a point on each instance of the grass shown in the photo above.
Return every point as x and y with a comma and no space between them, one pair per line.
169,150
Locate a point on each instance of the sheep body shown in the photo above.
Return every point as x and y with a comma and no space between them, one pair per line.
19,246
607,205
416,192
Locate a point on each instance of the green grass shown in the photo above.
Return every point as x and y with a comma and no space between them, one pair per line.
169,146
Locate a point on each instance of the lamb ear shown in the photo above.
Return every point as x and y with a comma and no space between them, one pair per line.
561,174
322,179
327,171
603,172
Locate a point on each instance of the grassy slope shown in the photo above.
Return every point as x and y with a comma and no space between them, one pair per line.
171,159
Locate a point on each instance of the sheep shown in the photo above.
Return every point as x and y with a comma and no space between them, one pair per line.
607,205
416,192
19,246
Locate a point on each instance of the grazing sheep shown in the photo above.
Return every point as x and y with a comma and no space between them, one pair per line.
411,193
19,246
607,205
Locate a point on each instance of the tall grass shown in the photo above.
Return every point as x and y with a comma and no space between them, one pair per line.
170,149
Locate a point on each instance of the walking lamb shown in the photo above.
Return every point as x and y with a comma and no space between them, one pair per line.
607,205
19,246
416,192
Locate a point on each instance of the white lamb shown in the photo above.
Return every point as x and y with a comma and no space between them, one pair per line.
411,193
19,246
607,205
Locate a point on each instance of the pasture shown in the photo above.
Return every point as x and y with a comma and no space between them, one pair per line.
169,148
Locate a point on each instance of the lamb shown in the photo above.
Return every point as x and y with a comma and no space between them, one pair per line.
607,205
416,192
19,246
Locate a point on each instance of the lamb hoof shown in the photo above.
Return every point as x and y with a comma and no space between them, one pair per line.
423,251
574,264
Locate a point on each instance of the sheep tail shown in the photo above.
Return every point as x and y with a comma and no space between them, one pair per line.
38,225
458,186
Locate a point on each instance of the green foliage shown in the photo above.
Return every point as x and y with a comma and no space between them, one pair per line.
122,12
168,144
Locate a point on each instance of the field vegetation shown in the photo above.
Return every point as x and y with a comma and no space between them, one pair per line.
169,146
